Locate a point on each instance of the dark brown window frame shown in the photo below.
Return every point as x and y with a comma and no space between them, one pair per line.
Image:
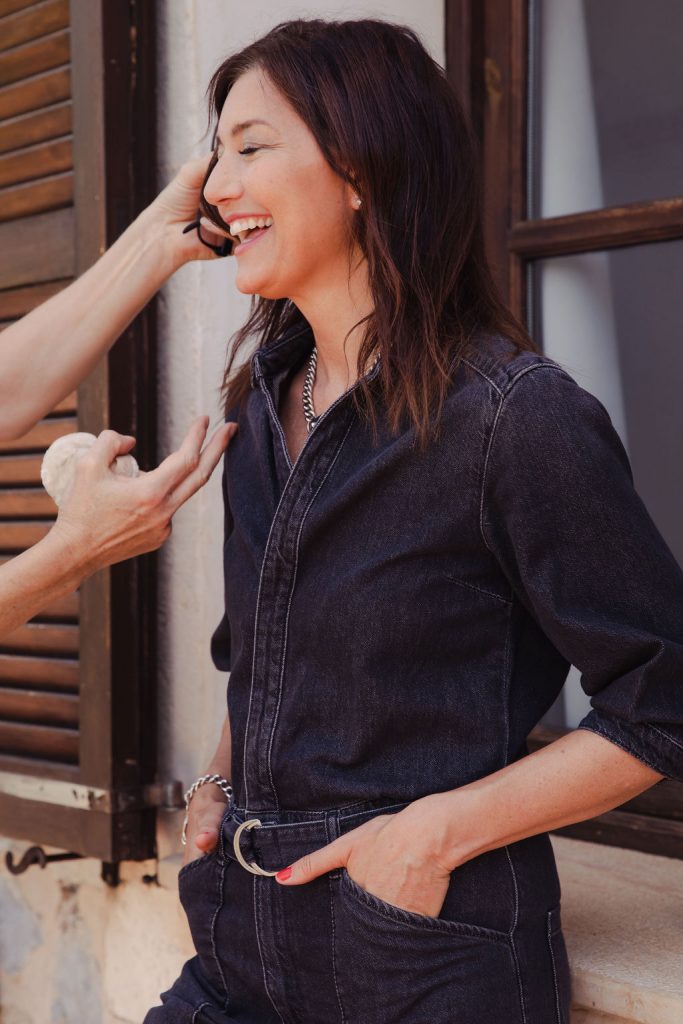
487,47
104,807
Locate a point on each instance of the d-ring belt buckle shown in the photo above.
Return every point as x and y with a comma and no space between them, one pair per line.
254,868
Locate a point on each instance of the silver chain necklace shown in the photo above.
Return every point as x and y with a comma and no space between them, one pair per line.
307,395
307,398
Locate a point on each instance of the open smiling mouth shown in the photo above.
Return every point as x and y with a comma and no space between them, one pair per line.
245,231
251,236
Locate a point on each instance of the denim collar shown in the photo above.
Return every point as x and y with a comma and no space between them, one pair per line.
280,355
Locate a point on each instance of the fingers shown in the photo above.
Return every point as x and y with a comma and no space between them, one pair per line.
108,446
208,460
192,173
327,858
177,466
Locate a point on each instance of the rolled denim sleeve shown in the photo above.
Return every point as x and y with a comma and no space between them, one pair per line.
560,514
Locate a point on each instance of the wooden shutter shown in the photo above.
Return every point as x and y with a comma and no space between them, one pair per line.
487,62
77,684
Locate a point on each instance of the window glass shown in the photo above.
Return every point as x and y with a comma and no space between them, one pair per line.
606,83
614,321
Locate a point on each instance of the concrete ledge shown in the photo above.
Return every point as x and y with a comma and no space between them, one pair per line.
622,913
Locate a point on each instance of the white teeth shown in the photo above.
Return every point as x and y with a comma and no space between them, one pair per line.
239,227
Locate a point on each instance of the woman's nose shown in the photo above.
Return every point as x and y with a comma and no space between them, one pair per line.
220,186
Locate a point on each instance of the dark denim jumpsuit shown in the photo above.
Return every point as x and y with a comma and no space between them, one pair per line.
396,623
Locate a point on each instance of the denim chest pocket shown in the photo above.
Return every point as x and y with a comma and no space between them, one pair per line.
397,966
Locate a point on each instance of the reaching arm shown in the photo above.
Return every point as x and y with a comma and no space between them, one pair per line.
106,519
59,343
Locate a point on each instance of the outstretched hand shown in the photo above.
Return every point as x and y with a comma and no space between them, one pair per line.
107,518
396,857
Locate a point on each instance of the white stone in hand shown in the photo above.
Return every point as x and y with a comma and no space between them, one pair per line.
61,458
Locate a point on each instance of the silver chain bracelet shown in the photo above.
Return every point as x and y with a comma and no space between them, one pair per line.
202,780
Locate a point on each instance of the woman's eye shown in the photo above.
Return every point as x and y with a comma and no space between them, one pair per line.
248,149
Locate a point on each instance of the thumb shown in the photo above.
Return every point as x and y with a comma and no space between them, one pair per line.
109,445
312,865
206,839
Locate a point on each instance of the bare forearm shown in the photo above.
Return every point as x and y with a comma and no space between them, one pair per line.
34,579
59,343
572,779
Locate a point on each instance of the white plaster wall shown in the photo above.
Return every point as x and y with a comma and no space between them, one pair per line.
73,950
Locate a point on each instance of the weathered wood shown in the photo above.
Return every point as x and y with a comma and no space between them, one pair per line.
39,161
54,674
38,707
36,197
19,536
34,22
43,637
40,55
34,127
16,302
42,435
10,6
45,741
34,93
617,226
458,37
49,234
632,831
20,469
26,503
42,768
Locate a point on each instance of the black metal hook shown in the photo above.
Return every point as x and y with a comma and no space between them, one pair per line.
35,855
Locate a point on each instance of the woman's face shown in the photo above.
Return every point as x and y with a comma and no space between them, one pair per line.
282,175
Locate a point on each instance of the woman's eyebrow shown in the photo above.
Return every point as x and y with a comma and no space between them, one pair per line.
242,126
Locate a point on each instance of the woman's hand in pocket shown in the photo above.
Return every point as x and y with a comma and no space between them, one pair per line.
204,822
396,857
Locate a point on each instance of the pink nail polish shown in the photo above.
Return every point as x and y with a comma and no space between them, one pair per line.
283,875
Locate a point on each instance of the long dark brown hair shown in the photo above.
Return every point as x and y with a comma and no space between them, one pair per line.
376,102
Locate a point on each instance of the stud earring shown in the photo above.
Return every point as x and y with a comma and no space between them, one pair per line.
357,201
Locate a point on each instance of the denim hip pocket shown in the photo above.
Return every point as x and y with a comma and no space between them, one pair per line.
398,966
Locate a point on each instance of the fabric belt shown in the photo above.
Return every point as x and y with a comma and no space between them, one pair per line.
283,837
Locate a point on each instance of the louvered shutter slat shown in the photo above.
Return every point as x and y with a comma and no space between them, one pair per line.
10,6
38,708
15,537
38,91
47,673
32,58
53,742
46,158
36,126
28,503
34,22
38,636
